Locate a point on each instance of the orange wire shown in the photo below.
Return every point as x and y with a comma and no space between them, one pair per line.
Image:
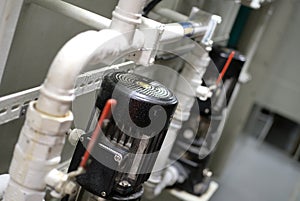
225,68
106,113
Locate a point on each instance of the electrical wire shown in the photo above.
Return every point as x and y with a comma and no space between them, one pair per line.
106,114
225,68
150,6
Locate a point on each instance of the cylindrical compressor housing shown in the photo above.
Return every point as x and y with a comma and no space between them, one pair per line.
129,142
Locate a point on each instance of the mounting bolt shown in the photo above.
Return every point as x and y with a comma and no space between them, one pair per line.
124,183
103,193
75,136
207,173
188,134
117,158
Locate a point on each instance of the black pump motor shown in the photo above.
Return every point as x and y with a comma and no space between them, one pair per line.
125,153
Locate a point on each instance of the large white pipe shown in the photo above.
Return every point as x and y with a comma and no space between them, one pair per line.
86,17
42,137
88,47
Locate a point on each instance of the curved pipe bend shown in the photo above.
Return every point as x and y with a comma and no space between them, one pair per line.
50,118
90,47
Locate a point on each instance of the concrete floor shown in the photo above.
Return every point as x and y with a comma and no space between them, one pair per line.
259,173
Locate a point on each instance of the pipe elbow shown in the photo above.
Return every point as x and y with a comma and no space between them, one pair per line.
89,47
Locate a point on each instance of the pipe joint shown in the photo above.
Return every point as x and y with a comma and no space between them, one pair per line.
46,124
64,96
127,17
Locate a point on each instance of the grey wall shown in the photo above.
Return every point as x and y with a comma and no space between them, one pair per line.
273,69
40,34
280,91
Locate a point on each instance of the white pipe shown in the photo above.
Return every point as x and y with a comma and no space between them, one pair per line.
42,138
86,17
88,47
127,16
188,27
172,32
132,6
171,14
176,31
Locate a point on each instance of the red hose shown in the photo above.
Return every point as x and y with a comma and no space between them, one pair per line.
225,68
106,114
